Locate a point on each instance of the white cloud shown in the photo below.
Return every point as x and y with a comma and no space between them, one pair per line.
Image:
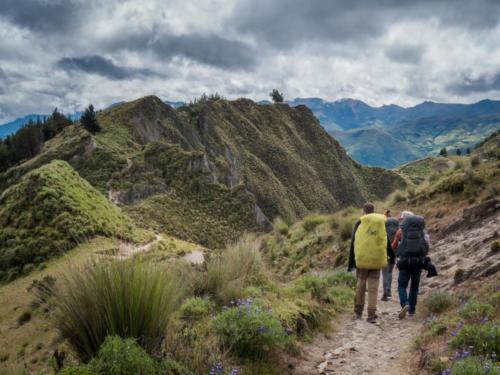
402,52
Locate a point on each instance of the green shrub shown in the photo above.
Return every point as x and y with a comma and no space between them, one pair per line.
495,247
439,302
195,308
24,318
249,330
438,328
484,338
123,298
474,311
346,230
119,356
398,197
281,226
459,275
4,356
312,221
475,366
237,267
475,161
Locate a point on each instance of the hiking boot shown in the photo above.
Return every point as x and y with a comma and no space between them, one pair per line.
404,311
411,314
384,298
357,316
372,318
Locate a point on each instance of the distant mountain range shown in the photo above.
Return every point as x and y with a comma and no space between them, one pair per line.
13,126
391,135
385,136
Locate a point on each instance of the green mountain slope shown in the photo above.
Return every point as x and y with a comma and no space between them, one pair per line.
49,211
208,171
377,147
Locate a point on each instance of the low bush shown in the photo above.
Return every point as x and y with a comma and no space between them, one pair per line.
195,308
439,302
459,275
123,298
475,161
346,230
249,330
237,267
117,356
474,366
398,198
24,318
476,312
481,338
495,247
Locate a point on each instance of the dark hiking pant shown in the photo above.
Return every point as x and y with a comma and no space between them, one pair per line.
387,279
411,277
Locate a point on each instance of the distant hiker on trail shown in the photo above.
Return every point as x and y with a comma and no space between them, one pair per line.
368,254
412,245
391,226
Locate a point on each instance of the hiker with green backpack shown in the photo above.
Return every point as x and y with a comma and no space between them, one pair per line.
369,252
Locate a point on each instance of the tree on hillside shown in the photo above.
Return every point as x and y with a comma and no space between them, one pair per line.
89,120
276,96
467,152
459,152
443,152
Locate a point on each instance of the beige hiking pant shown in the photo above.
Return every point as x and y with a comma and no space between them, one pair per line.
367,279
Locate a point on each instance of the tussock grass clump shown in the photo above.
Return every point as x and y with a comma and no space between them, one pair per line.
237,267
280,226
312,221
120,298
439,302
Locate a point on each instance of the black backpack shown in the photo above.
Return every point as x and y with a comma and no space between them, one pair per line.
413,242
391,226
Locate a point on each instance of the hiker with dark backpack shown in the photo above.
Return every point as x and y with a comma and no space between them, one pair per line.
368,254
411,243
391,227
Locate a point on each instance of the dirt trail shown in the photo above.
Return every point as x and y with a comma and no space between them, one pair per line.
359,347
128,250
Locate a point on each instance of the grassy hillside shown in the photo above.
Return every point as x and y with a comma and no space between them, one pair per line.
49,211
260,160
377,147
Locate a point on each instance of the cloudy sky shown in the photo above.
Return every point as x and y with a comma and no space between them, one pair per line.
68,53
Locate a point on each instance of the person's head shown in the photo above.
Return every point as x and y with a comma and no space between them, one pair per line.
368,208
405,214
387,213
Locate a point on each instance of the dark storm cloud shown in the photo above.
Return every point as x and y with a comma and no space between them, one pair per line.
100,65
42,15
284,23
211,50
473,85
405,54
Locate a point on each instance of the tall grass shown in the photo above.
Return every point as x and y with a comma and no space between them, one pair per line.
237,267
123,298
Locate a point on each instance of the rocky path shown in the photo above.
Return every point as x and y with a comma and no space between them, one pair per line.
357,347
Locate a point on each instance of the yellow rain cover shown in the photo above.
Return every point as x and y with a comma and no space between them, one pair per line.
370,242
